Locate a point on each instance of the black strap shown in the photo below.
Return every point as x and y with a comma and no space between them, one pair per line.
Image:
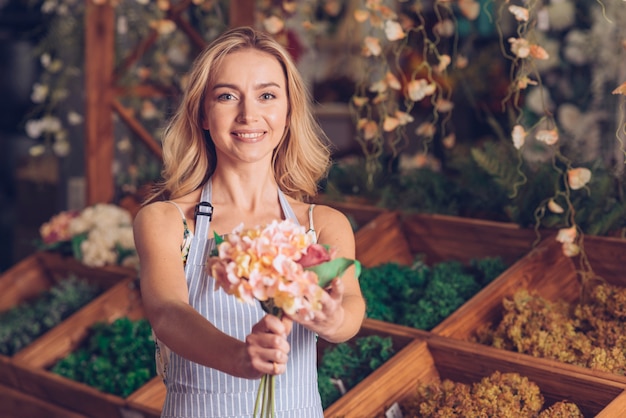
204,209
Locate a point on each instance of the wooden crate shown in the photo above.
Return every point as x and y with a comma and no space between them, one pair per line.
38,273
437,357
15,404
32,364
443,238
548,272
396,236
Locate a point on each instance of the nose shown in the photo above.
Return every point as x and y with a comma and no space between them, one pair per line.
247,111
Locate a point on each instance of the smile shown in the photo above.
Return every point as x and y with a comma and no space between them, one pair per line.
253,135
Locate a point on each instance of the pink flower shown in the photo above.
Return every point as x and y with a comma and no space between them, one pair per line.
57,229
315,254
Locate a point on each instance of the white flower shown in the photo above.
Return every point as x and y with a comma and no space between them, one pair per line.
122,25
566,235
273,24
519,136
444,28
520,47
393,30
61,147
547,136
570,249
37,150
40,93
371,46
520,13
555,207
577,178
418,89
45,59
74,118
390,123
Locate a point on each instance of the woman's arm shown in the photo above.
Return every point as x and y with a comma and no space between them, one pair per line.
158,232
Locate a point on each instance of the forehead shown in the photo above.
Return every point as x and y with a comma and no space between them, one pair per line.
249,65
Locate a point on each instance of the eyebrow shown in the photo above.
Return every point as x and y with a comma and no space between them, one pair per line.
259,86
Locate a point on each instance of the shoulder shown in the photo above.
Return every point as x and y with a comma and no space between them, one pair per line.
155,212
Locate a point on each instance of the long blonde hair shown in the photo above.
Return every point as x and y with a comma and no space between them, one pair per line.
300,160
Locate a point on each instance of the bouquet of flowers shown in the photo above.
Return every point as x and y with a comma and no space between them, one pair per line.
280,266
98,235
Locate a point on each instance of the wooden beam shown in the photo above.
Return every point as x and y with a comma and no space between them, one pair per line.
99,136
242,13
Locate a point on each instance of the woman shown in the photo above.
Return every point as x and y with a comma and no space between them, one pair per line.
244,143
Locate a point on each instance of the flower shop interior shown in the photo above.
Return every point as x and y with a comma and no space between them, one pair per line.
478,150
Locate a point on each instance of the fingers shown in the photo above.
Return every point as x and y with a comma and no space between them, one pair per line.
337,289
267,345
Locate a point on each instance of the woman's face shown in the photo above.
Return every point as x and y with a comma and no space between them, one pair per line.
246,107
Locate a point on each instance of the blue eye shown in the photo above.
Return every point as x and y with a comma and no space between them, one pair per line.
225,96
267,96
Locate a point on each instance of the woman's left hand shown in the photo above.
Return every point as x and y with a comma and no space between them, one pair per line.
330,317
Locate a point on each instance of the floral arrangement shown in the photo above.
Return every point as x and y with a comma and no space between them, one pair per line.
99,235
280,266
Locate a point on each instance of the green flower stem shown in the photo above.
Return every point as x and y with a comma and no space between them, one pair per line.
265,405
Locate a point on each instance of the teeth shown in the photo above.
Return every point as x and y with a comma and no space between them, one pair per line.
250,136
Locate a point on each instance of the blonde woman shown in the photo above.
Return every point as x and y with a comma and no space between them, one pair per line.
243,147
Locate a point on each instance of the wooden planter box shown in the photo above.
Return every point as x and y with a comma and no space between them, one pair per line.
551,275
32,364
149,399
14,404
396,236
443,358
38,273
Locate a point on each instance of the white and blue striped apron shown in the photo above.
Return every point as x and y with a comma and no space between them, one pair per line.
200,392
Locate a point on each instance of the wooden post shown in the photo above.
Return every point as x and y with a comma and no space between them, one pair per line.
99,139
242,13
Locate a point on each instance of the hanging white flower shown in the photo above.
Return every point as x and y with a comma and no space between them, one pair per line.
519,136
61,147
40,93
74,118
577,178
393,30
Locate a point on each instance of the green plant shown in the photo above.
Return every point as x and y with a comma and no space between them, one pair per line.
22,324
421,296
350,363
116,358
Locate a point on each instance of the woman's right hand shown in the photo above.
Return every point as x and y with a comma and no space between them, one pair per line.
267,349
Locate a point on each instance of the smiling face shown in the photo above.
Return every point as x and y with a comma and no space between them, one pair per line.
246,106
